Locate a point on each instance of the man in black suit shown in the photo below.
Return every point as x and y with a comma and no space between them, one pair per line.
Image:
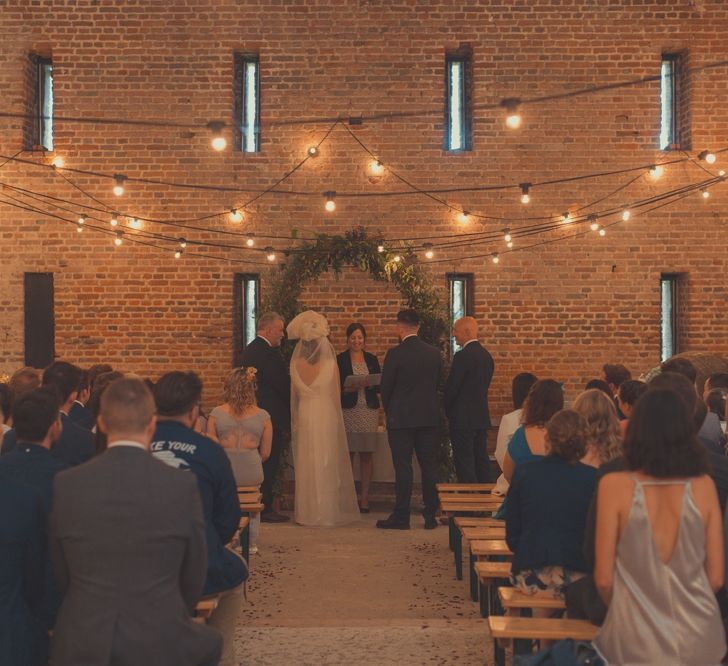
76,444
128,547
466,403
410,376
80,414
274,395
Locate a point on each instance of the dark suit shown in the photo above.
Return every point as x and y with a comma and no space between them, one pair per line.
128,546
410,377
76,445
82,415
466,406
371,393
34,466
23,554
274,395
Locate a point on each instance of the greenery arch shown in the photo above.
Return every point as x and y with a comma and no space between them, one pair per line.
398,267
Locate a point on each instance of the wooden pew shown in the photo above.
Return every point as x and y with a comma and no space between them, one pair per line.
513,599
539,629
473,528
489,574
488,549
204,608
465,487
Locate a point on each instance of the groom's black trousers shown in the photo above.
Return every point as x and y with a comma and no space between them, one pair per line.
470,454
421,441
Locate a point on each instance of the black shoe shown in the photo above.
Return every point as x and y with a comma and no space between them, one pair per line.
273,517
430,523
392,523
363,509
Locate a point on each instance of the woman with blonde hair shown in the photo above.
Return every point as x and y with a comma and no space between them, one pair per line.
604,442
244,430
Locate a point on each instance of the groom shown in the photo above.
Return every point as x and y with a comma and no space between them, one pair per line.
274,395
410,377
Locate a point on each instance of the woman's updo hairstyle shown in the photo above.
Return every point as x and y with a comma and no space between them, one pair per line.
566,432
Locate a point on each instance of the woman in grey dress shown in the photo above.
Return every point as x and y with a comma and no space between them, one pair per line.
360,404
659,544
244,430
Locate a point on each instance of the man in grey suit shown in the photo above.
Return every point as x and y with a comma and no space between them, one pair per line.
128,548
410,376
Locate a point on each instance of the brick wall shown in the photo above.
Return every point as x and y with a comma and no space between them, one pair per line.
560,310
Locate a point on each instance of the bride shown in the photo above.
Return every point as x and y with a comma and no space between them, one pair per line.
325,493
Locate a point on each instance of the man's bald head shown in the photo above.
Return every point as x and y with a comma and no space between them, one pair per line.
465,328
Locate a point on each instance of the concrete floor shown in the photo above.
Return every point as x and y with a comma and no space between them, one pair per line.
358,595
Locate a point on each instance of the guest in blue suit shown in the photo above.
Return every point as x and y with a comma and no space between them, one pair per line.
546,511
23,553
80,414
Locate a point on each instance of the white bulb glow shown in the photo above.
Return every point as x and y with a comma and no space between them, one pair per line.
513,120
656,171
118,190
705,193
57,161
496,259
135,223
380,248
429,252
509,244
464,217
270,254
330,205
219,143
396,258
710,158
114,219
236,215
602,232
312,151
117,240
626,214
178,254
79,228
250,241
507,237
376,167
525,198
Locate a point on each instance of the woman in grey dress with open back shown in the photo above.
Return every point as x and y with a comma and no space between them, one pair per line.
244,430
659,545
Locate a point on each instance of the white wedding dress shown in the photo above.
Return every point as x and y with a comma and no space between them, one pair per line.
325,493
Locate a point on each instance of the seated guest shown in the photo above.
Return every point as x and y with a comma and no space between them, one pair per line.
80,413
710,432
520,386
599,384
6,401
23,380
94,404
544,399
718,380
23,554
615,374
629,392
244,430
546,510
715,401
177,396
128,539
76,444
659,544
602,436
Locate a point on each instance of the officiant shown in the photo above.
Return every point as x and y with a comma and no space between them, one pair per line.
360,405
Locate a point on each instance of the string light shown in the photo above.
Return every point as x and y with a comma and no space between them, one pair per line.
250,240
119,184
495,258
721,173
118,239
135,223
82,220
525,196
708,156
79,226
594,224
602,232
114,219
429,252
509,244
182,243
376,167
312,151
57,162
626,214
705,192
236,215
464,217
380,247
178,253
507,236
565,217
396,258
218,141
330,204
270,254
655,171
513,117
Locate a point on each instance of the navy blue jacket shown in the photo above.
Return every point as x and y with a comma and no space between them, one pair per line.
23,554
546,511
185,449
348,400
82,415
76,445
466,389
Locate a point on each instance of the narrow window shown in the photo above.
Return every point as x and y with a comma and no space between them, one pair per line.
247,102
247,297
44,103
39,320
669,309
458,100
673,105
460,287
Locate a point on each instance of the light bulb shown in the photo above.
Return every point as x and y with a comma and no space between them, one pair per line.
602,232
82,219
119,185
312,151
236,215
513,120
396,258
525,196
376,167
182,243
135,223
270,254
429,252
57,162
380,248
250,240
117,240
721,173
594,225
79,227
218,141
566,218
495,259
509,244
708,156
114,219
330,204
705,193
513,117
655,171
464,217
626,214
507,236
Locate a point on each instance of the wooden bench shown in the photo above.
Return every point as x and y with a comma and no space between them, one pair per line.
483,528
511,598
489,575
538,629
465,487
489,548
451,508
204,608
